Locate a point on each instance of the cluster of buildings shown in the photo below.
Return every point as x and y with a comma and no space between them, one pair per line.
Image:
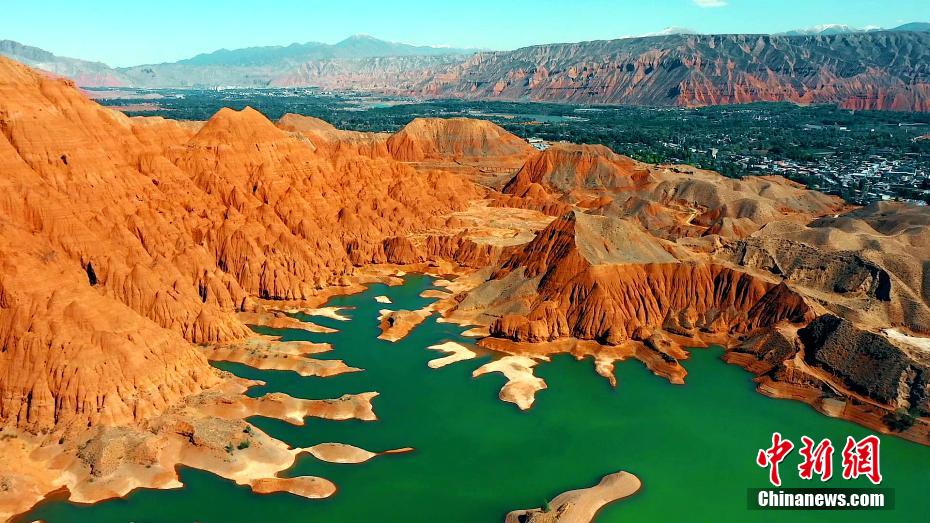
860,179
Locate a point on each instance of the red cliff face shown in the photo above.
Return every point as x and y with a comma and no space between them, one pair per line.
883,70
608,280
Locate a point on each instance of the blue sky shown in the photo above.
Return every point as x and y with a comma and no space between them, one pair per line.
121,32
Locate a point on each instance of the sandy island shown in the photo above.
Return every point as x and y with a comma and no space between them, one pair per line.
310,487
456,352
294,410
435,293
522,385
268,354
333,313
343,453
280,320
580,506
396,325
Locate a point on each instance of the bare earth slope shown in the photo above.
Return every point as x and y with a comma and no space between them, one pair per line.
459,138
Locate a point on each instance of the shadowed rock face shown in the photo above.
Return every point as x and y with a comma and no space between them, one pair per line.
867,363
871,262
842,273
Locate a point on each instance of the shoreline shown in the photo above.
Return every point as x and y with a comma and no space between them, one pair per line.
603,357
254,351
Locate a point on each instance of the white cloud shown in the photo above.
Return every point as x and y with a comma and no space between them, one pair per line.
668,31
710,3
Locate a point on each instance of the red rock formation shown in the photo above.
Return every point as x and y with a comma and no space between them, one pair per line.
871,70
876,70
608,280
127,240
570,168
455,139
336,142
670,201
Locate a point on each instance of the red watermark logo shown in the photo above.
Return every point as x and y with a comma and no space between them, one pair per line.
859,458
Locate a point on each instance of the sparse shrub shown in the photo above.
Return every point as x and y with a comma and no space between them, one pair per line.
899,420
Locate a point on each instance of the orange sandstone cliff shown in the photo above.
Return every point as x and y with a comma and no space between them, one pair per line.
124,234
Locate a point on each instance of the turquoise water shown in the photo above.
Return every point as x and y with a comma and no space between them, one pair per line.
477,458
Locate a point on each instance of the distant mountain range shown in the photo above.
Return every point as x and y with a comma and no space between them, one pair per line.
358,46
83,72
248,67
836,29
888,70
858,69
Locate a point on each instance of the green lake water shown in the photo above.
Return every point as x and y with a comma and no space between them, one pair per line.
477,458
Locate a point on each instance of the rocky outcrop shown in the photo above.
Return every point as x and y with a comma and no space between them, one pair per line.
334,142
671,201
876,379
871,262
649,259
